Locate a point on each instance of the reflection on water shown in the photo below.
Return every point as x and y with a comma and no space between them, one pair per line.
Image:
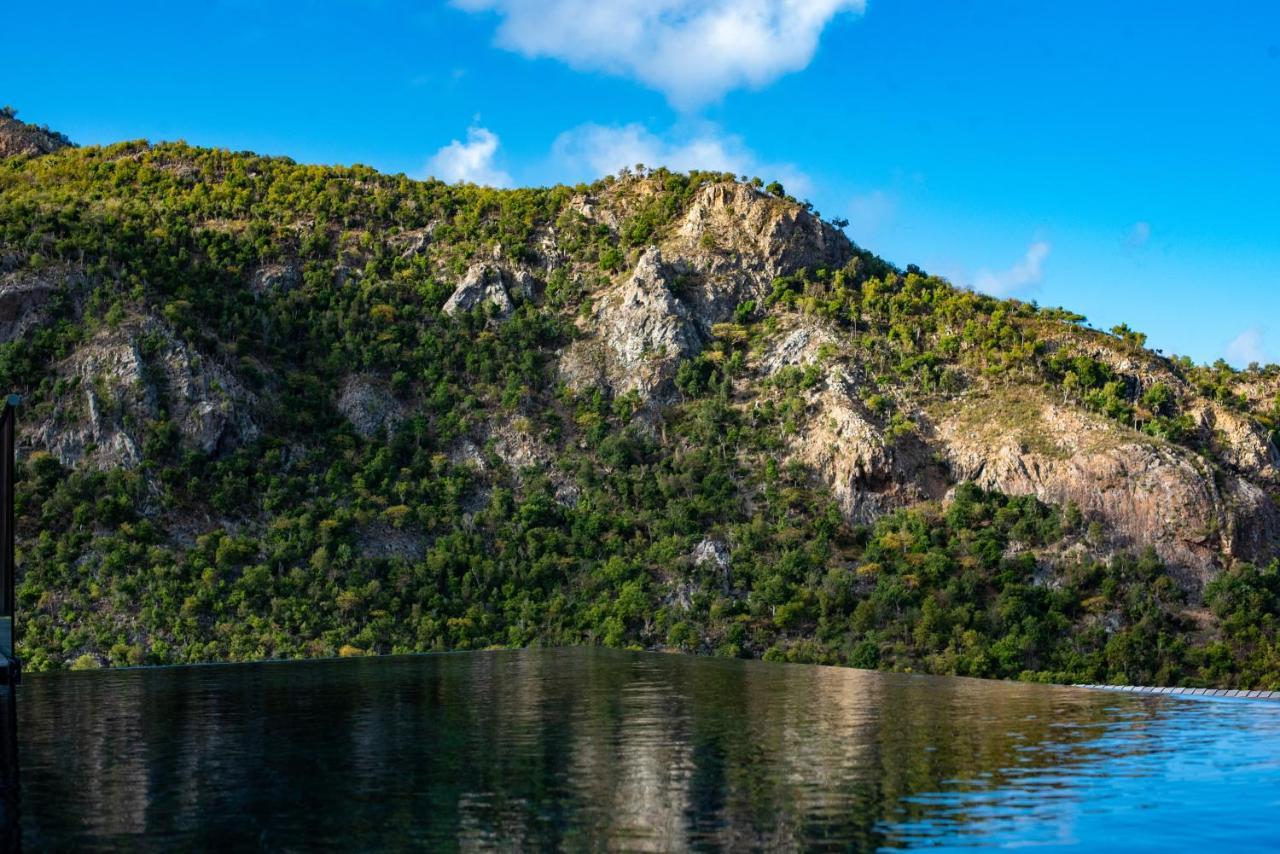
590,749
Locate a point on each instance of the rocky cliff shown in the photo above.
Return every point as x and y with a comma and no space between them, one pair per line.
19,138
1201,504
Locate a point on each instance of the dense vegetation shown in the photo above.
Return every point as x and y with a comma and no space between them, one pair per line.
275,548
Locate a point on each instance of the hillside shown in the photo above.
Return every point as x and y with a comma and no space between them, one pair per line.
275,410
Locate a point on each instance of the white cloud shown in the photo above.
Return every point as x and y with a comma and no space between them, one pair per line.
472,160
1138,236
1026,273
591,150
1246,348
693,51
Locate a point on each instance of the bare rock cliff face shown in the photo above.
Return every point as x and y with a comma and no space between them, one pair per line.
638,334
727,248
18,138
122,381
482,284
369,405
494,282
1146,492
1241,442
26,298
868,473
738,240
1142,490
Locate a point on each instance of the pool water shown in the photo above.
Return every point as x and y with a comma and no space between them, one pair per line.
588,749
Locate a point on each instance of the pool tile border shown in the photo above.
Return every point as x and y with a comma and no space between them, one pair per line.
1186,692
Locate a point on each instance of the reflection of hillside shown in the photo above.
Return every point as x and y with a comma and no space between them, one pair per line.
637,727
547,749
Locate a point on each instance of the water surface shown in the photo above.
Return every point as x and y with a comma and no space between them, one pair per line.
593,749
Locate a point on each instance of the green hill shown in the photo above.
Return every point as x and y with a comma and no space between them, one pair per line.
276,410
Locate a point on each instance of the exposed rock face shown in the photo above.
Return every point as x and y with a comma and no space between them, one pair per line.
710,553
1143,490
521,449
868,474
18,138
25,298
274,278
1146,492
640,332
798,348
738,240
126,378
783,236
709,556
368,405
1242,442
489,283
729,246
414,242
1251,527
465,452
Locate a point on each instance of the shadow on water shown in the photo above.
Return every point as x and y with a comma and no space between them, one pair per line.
10,830
592,749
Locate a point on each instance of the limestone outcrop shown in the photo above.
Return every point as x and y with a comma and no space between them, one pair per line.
637,336
138,380
1144,491
496,282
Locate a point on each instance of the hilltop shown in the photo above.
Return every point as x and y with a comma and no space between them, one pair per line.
18,138
287,410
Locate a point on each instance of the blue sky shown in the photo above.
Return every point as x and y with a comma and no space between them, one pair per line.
1121,159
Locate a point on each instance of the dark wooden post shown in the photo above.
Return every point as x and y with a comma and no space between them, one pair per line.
8,580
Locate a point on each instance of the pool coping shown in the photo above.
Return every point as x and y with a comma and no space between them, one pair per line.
1239,694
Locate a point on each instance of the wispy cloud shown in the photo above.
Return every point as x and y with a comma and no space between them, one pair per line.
1026,273
592,150
1246,348
693,51
473,160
